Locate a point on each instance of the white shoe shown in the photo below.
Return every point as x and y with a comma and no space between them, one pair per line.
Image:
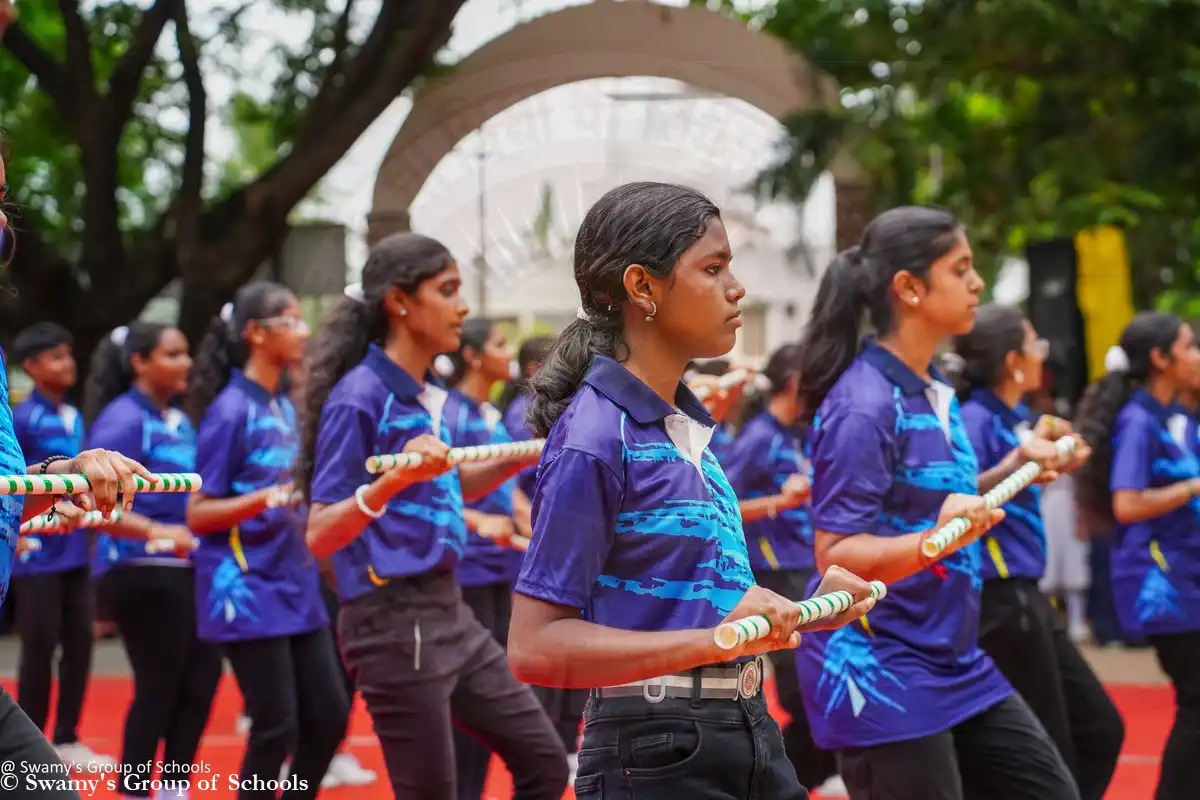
174,793
243,724
78,756
345,770
834,787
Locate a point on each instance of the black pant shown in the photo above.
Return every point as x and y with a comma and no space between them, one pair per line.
707,749
297,703
424,664
331,608
999,754
1020,631
492,606
813,765
175,675
23,746
54,609
1179,657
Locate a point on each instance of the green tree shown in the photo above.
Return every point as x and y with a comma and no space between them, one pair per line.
106,111
1029,118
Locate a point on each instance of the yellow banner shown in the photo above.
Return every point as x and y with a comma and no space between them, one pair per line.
1103,290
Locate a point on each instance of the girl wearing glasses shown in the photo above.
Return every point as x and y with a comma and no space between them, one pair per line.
257,586
1002,361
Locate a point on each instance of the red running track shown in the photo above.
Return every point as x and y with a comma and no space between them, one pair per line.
1148,712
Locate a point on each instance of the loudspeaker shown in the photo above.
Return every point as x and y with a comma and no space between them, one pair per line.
1055,314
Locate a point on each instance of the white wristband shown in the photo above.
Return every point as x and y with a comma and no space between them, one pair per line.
362,504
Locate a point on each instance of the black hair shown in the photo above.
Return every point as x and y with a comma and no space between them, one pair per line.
1103,400
646,223
404,260
908,238
475,333
37,339
223,348
533,352
111,370
999,330
783,364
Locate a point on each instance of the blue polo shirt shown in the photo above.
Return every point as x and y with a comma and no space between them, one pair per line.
45,428
887,450
764,456
1155,562
1016,548
12,462
161,441
517,428
634,522
375,409
484,562
257,580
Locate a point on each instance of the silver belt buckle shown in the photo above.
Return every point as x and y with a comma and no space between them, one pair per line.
750,678
651,697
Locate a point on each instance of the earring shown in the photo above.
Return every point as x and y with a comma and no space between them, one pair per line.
653,310
1018,376
404,312
916,300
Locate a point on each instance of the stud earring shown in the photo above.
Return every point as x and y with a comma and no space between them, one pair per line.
1018,376
916,301
653,310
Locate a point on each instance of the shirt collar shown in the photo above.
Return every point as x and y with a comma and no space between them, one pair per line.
256,390
145,402
1157,410
625,389
1010,416
394,377
43,400
897,371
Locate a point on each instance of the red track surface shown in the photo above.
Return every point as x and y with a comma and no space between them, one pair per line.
1148,712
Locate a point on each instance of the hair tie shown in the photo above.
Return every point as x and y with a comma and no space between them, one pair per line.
953,362
583,315
119,335
443,365
1115,360
762,384
227,313
355,292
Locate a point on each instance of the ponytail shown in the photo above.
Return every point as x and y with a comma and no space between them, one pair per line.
831,339
566,365
110,373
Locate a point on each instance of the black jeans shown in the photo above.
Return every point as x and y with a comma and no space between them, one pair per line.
1020,631
54,609
699,750
424,664
1002,753
492,606
813,765
23,746
1179,657
296,701
175,675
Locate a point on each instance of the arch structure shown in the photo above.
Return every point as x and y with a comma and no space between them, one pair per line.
603,39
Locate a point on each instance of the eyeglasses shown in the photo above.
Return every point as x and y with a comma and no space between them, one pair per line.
1041,349
291,324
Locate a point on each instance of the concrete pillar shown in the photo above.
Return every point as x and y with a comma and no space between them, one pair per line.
381,224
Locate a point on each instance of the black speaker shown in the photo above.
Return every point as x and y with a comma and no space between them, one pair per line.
1055,314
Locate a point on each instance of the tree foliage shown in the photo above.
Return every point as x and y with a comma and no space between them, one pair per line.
1029,118
119,182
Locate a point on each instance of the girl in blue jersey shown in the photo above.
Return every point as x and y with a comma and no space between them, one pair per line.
489,567
1144,479
421,660
137,375
257,585
637,549
911,703
768,469
1002,362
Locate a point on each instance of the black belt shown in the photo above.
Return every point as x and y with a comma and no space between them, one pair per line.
716,683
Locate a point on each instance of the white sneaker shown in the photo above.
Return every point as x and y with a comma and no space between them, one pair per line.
345,770
174,793
834,787
243,724
78,756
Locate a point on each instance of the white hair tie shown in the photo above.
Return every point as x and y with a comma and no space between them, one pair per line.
762,384
583,315
443,365
1115,360
119,335
355,292
227,313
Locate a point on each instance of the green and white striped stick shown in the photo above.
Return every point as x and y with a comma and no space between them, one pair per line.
45,523
78,484
508,451
729,635
162,546
1000,494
